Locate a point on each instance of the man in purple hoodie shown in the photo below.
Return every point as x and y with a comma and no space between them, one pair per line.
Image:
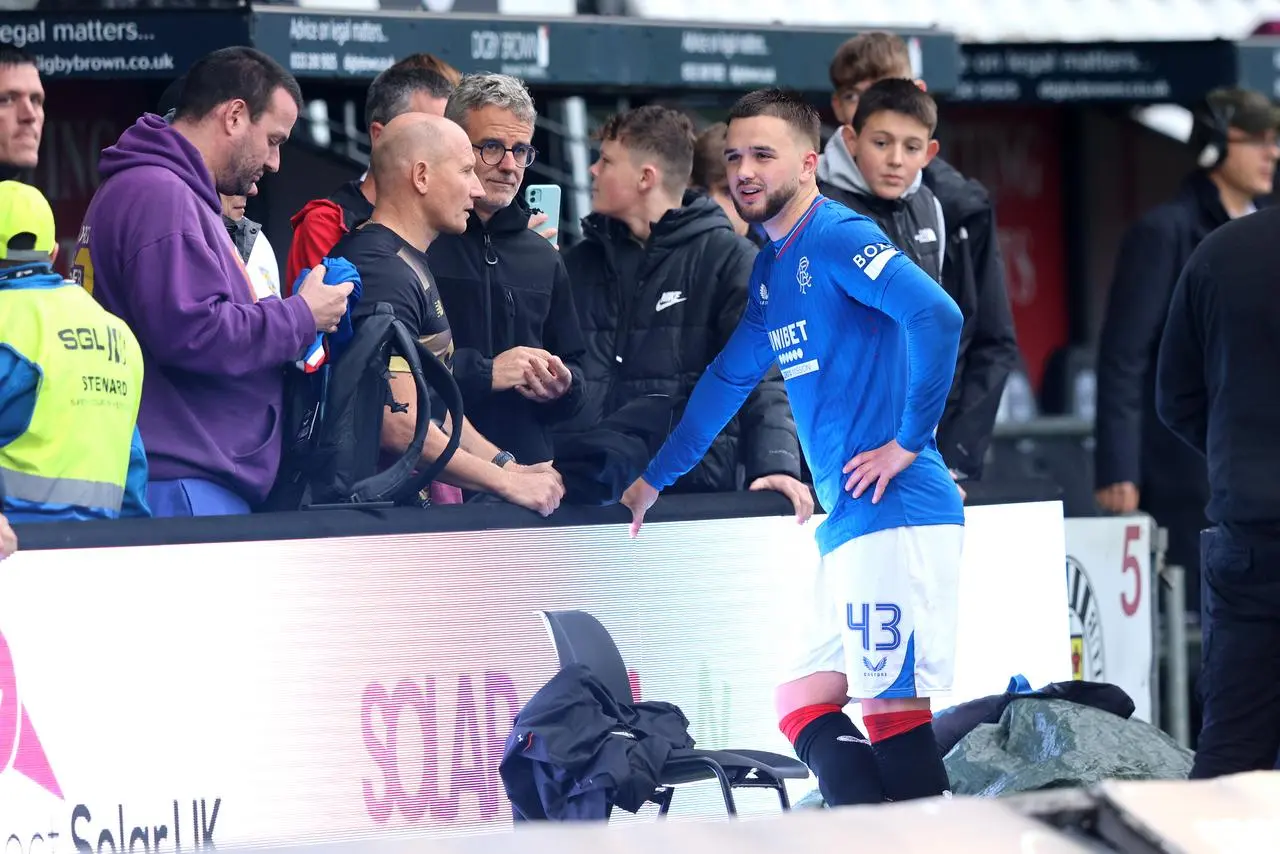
154,251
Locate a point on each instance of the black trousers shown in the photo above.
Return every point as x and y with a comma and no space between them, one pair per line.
1240,667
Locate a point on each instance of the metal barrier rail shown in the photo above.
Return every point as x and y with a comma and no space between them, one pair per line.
1170,699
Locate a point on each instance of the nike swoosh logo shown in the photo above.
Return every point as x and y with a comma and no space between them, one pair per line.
668,303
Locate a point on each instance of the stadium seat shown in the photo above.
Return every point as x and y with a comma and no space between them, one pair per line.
580,638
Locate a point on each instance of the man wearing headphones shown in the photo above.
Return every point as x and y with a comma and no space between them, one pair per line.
1139,463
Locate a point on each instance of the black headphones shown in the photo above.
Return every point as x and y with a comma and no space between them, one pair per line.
1211,123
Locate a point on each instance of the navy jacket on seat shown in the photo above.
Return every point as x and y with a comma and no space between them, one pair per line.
576,751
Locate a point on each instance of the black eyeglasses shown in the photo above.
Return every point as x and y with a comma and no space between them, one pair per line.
492,152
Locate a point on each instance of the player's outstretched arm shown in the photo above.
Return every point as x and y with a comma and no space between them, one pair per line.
718,394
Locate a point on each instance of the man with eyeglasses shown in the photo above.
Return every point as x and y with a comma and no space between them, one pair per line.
504,288
1139,462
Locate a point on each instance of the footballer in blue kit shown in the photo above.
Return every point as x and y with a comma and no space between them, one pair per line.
866,342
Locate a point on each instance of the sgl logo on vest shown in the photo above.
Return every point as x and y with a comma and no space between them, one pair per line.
22,753
873,258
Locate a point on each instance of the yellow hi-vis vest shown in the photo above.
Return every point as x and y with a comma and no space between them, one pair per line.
75,453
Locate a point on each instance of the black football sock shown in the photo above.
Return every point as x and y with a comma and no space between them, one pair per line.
842,759
910,765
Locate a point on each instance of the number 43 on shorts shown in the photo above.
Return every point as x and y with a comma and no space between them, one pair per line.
888,615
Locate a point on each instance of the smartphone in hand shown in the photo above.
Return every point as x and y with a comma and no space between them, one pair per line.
545,198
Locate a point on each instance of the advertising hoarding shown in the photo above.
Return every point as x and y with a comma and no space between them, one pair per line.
112,45
169,698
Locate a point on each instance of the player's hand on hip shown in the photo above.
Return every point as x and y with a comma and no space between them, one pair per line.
639,497
876,467
955,475
800,495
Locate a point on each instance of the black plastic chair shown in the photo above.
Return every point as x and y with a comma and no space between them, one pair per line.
579,638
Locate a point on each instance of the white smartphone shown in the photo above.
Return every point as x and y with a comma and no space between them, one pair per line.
545,198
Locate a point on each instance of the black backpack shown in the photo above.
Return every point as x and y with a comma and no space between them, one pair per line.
334,418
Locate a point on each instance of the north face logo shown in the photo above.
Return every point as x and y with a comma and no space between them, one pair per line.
20,748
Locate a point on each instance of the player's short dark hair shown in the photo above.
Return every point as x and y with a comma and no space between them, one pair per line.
10,55
896,95
869,56
709,171
390,92
664,133
231,73
786,104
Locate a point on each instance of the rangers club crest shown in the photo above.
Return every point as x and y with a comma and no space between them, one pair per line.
803,279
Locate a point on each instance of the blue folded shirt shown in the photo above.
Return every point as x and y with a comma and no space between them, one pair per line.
336,271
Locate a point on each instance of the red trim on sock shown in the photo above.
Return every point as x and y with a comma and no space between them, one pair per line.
794,723
887,725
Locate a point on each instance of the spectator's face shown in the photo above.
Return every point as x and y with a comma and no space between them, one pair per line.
233,207
255,146
421,101
616,181
453,187
844,102
722,197
766,163
1251,162
21,115
891,151
501,171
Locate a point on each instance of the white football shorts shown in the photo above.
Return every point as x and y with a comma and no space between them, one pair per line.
882,610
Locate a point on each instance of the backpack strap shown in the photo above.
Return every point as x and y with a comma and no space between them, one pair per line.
398,482
441,379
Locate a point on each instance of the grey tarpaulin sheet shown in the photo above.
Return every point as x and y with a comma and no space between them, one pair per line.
1046,744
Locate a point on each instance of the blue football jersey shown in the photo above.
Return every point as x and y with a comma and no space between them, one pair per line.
866,342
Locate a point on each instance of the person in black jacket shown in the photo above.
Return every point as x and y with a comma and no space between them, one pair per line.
875,165
1217,389
660,282
505,288
424,166
1138,462
972,271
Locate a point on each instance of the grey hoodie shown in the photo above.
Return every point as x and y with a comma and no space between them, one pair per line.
913,222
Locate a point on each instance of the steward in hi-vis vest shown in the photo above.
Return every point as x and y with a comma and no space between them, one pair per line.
70,383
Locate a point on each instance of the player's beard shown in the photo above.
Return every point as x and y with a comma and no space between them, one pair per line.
774,202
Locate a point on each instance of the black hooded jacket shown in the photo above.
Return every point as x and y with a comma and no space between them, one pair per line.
655,314
505,286
1133,445
973,274
576,750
